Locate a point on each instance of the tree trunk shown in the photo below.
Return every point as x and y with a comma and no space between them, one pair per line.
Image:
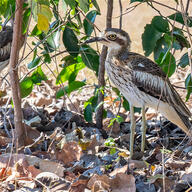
101,79
20,136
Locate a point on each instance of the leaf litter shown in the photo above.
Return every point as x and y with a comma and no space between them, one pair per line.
66,153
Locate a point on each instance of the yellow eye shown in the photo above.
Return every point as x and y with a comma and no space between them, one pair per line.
112,37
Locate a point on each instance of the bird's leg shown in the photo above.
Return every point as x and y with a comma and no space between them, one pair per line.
144,128
132,127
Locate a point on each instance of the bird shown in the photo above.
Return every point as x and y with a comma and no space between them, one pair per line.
6,37
142,82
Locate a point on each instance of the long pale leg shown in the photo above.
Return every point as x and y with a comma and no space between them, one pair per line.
132,136
144,128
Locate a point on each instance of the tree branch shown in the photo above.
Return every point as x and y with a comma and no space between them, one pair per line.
101,79
14,57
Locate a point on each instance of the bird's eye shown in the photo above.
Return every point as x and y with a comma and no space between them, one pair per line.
112,37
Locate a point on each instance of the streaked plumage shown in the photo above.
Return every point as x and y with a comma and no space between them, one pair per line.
146,84
142,82
6,36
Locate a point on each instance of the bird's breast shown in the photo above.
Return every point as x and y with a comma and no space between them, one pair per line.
122,79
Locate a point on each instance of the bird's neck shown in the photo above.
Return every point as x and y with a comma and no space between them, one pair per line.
117,53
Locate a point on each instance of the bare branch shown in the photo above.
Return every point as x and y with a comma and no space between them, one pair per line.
101,79
121,16
14,57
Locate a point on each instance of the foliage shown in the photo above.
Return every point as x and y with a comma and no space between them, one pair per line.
53,31
110,143
163,39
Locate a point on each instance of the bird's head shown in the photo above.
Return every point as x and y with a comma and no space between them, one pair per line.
115,39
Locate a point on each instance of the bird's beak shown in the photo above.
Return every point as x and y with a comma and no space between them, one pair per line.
95,39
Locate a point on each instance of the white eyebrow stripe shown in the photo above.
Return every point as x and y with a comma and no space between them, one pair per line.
121,37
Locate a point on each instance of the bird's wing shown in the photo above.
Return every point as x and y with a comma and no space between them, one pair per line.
5,43
149,78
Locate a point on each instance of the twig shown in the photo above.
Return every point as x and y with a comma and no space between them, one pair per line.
128,10
121,16
101,79
183,12
157,2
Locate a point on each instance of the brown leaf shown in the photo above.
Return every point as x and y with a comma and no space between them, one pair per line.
115,128
123,183
99,182
169,184
177,164
46,165
70,152
78,186
119,170
43,101
16,166
4,141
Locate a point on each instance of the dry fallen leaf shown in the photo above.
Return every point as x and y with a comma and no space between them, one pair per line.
78,186
16,166
177,164
99,182
123,183
70,152
4,141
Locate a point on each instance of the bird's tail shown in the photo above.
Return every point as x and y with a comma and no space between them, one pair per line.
186,122
176,117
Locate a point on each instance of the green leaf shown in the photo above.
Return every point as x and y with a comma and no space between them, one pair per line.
47,58
38,76
54,39
188,85
71,3
69,60
132,1
178,34
112,151
75,85
126,104
64,6
167,63
3,6
88,113
35,31
44,2
87,25
69,73
26,87
109,142
34,63
184,61
96,5
84,5
90,58
25,21
8,9
161,47
160,24
60,93
70,41
46,11
116,90
171,41
149,39
93,101
179,18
